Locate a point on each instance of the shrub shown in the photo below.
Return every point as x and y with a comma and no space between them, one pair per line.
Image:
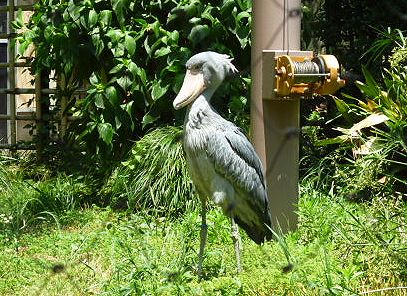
131,55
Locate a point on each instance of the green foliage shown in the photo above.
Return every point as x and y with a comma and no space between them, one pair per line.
155,177
130,55
356,32
373,139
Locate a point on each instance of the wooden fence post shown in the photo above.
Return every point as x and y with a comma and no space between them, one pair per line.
42,112
12,77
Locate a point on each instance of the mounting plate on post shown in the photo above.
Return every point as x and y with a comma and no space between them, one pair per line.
299,73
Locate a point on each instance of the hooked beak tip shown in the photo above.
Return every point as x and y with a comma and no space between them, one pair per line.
176,106
179,102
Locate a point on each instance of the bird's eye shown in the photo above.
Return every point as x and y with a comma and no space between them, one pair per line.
195,67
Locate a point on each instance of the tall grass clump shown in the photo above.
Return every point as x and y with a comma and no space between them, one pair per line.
155,177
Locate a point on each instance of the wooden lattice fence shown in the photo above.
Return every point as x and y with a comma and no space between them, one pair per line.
31,102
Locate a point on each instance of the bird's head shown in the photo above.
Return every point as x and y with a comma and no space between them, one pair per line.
205,72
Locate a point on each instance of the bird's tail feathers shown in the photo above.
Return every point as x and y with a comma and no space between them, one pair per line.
258,233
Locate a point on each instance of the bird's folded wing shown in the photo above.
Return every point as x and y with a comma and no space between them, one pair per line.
235,159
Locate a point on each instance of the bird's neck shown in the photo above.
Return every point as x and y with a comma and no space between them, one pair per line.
202,102
200,111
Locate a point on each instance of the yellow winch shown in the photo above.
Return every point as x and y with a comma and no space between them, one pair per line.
305,75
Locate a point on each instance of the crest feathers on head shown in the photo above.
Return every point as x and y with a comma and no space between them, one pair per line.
229,60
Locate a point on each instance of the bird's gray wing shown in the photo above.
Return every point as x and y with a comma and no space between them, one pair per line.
235,159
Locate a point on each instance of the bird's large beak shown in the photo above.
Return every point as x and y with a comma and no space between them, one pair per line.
193,86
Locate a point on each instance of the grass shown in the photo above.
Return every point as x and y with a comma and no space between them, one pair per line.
340,248
54,240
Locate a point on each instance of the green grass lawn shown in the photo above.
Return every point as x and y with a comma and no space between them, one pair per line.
340,248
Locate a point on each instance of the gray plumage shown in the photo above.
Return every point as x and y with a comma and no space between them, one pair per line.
222,162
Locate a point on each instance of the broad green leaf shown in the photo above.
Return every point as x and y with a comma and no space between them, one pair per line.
147,46
158,90
112,96
343,108
49,32
174,36
330,141
97,43
19,22
162,52
128,107
66,16
227,5
129,44
75,11
22,47
370,91
115,35
117,122
99,101
370,88
83,21
176,68
124,82
116,68
142,22
137,71
208,14
148,119
238,104
93,18
198,33
105,18
106,132
133,68
90,126
119,8
195,20
156,28
118,51
243,14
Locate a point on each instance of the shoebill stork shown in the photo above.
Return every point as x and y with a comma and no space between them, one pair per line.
221,161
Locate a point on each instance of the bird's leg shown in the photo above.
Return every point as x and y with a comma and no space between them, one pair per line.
203,235
238,244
